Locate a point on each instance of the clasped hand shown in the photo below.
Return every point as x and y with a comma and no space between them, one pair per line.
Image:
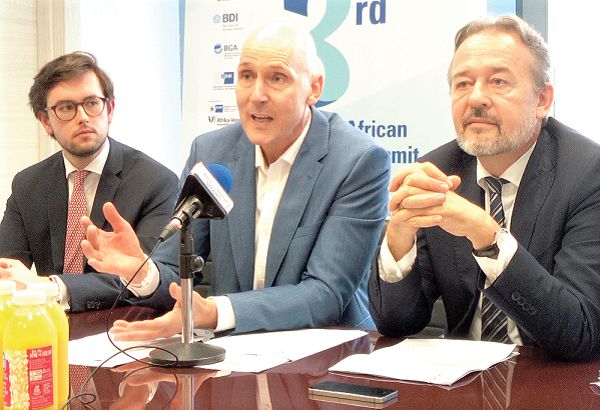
422,196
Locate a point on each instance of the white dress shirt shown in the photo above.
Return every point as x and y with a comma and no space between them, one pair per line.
270,184
391,270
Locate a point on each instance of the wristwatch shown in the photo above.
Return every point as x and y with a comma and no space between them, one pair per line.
492,250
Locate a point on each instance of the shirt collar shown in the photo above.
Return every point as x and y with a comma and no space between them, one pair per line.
96,166
289,155
513,174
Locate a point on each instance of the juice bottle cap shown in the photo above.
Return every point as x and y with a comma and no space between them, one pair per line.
49,288
7,287
28,297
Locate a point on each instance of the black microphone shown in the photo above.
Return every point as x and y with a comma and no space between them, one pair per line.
204,195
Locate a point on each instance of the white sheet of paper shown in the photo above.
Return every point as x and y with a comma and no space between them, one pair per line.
243,353
437,361
256,352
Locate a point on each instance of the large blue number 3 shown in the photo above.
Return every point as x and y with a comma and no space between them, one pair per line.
336,68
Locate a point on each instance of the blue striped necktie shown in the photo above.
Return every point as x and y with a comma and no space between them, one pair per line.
493,320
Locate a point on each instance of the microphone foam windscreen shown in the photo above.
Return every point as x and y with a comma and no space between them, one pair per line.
222,174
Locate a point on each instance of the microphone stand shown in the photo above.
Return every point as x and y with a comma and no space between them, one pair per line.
188,353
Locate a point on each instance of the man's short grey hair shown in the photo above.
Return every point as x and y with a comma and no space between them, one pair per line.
512,24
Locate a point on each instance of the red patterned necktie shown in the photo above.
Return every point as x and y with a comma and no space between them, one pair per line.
77,208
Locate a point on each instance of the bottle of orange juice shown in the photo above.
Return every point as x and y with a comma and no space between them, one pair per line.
61,322
30,355
7,288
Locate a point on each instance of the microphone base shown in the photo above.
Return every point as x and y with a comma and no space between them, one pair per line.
188,355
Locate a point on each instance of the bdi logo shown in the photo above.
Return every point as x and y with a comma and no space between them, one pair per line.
336,66
230,18
227,77
225,18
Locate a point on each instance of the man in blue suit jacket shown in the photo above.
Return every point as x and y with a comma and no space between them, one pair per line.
310,198
543,273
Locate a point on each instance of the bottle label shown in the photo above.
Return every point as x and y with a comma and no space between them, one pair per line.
28,382
5,381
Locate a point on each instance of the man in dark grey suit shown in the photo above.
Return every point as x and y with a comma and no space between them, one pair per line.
522,266
73,99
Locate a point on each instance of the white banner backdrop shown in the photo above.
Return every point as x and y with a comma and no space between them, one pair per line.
386,63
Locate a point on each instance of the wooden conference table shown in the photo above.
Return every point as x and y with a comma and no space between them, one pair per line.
536,382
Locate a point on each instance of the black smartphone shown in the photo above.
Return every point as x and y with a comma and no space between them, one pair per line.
353,392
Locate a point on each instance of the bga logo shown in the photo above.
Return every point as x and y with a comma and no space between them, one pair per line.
336,67
228,51
227,77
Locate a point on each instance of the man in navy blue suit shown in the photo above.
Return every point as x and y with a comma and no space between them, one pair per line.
310,194
515,258
73,98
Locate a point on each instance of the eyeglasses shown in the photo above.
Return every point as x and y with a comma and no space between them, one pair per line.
66,110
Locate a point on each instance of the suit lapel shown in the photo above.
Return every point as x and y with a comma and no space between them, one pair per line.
241,220
535,185
297,193
57,207
108,184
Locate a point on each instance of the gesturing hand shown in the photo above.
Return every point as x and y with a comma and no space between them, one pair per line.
116,252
